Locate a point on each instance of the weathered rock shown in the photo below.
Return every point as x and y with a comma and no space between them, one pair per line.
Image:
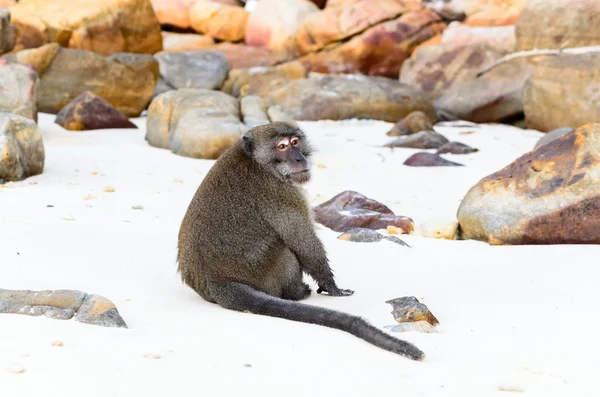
349,96
342,21
18,86
173,12
501,38
552,135
273,23
242,56
446,230
425,159
62,305
7,3
456,148
261,80
408,309
194,122
124,80
174,42
380,50
492,12
103,26
362,235
90,112
254,112
548,196
497,96
192,69
420,140
277,113
419,326
415,122
562,92
218,20
21,148
8,32
349,210
558,24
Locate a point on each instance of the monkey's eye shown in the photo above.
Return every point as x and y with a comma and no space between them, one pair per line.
282,146
295,141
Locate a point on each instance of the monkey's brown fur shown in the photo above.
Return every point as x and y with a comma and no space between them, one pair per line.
248,236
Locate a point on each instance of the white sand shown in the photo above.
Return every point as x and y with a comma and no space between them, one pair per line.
512,318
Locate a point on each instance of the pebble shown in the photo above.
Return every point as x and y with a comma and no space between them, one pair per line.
176,180
15,368
137,207
511,388
57,343
89,197
155,356
109,189
68,218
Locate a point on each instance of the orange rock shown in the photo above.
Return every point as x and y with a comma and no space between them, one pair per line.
221,21
493,12
173,12
175,42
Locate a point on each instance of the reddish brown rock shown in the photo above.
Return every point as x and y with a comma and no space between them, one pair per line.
419,140
380,50
261,80
548,196
243,56
175,42
103,26
273,24
425,159
552,135
90,112
218,20
562,92
415,122
350,209
558,24
456,148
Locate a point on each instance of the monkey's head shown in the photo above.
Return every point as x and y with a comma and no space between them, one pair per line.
282,149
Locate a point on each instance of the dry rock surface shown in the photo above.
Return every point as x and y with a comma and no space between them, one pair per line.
21,148
363,235
420,140
62,305
90,112
426,159
8,32
18,89
261,80
415,122
409,309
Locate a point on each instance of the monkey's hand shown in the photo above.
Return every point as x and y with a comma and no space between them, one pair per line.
335,291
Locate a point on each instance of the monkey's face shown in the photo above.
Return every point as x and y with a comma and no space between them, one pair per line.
291,159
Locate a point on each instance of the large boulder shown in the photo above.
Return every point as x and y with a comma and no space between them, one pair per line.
245,56
193,69
218,20
18,87
261,80
103,26
185,41
558,24
194,122
21,148
491,12
273,23
8,32
548,196
562,92
379,50
349,96
124,80
173,12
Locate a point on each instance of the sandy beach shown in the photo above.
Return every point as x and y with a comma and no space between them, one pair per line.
512,319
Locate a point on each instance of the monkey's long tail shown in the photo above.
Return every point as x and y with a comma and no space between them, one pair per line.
242,297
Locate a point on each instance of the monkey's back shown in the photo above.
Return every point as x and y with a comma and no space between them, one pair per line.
224,235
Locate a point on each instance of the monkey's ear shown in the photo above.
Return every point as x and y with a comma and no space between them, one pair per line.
248,144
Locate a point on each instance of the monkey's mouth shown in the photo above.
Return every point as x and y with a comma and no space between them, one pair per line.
300,176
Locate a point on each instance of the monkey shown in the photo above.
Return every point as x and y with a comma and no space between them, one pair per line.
248,237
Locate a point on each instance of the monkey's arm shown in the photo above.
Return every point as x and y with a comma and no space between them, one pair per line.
297,232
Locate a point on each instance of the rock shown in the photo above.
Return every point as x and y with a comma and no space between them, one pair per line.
90,112
362,235
419,326
339,22
456,148
436,69
424,159
552,135
8,32
21,148
126,81
277,113
492,13
18,87
243,56
261,80
218,20
558,24
408,309
560,94
349,96
497,96
415,122
173,12
501,38
254,112
380,50
192,69
420,140
194,122
548,196
174,42
103,26
7,3
273,24
62,305
438,229
349,210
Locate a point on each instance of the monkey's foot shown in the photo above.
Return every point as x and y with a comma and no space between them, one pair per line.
297,294
337,292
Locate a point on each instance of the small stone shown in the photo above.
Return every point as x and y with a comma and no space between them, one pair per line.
456,148
15,368
420,140
466,132
137,207
109,189
395,230
424,159
419,326
409,309
94,172
89,197
511,388
68,218
154,356
98,310
177,180
416,121
321,166
248,365
361,235
57,343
